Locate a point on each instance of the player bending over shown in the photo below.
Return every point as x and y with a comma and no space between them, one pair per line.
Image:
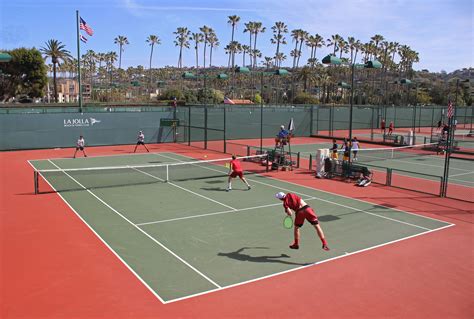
302,212
235,169
80,145
140,141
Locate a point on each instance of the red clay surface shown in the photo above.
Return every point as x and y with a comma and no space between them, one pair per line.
53,266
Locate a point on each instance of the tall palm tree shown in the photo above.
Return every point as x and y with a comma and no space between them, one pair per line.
213,43
206,31
303,36
233,21
57,52
182,40
245,50
197,38
376,39
279,30
121,41
152,40
333,41
280,58
268,62
250,27
111,58
259,28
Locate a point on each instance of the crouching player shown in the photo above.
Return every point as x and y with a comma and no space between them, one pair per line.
302,212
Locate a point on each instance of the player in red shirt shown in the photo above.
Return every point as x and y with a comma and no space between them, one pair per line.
302,212
235,169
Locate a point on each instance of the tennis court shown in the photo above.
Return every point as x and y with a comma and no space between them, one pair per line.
188,236
404,161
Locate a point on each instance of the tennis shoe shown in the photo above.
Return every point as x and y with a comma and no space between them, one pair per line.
295,246
325,247
249,187
228,190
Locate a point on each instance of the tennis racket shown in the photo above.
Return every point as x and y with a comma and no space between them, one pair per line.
288,222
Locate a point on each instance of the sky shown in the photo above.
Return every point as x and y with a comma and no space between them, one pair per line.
441,31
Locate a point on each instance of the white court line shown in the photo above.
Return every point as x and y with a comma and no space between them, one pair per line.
103,240
323,191
96,156
306,266
212,214
184,189
283,272
461,174
139,229
321,199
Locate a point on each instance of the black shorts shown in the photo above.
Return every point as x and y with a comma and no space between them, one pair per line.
79,148
140,143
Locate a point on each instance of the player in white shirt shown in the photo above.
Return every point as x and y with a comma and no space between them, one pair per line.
140,141
80,145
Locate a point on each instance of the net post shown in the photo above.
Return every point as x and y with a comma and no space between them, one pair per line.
35,176
266,162
298,160
310,161
167,173
248,150
441,184
389,177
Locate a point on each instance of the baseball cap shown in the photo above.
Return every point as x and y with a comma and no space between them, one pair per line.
280,195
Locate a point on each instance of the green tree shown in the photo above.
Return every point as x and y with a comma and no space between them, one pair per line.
152,40
121,41
182,40
26,74
57,52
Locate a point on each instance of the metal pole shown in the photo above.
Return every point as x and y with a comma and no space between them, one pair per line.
311,120
205,126
350,110
79,62
261,113
449,144
225,139
189,125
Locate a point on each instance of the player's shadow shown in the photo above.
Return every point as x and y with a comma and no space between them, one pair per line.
238,255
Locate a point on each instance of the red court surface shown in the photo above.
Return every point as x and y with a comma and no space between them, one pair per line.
53,266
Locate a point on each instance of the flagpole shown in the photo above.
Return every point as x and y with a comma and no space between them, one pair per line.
79,62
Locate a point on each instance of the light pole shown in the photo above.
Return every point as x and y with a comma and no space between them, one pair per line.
279,72
331,59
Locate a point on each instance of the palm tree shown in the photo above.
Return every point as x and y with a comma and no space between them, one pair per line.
182,40
279,30
121,41
376,39
152,39
197,38
280,58
233,20
245,50
268,62
258,29
57,52
111,58
213,42
206,31
250,27
303,36
333,42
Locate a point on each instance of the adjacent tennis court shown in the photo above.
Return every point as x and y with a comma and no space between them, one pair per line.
177,229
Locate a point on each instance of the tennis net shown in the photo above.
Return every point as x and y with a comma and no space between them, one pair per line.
387,153
73,179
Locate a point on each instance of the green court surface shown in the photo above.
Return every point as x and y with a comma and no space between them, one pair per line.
189,237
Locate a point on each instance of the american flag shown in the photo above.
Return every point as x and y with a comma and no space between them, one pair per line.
83,38
450,110
83,26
